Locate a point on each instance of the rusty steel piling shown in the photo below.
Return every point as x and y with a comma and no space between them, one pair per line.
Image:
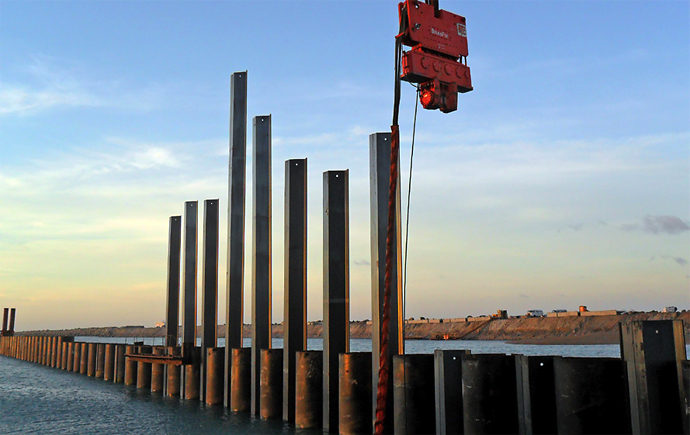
84,363
308,389
144,369
173,375
120,364
489,394
237,167
91,368
109,365
295,277
215,361
240,387
448,397
261,252
591,396
414,394
70,357
157,372
336,288
379,174
271,403
355,393
76,358
192,376
130,367
100,360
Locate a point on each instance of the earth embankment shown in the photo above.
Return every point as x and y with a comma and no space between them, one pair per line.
536,330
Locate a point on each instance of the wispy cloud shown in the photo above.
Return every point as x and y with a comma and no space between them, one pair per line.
672,225
679,260
50,84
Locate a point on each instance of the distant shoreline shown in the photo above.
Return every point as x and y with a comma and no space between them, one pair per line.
535,330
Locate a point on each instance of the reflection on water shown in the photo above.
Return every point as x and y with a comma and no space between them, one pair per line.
35,399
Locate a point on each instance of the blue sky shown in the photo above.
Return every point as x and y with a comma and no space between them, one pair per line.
561,180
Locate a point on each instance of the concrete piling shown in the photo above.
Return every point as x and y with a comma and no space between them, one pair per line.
355,393
271,393
157,372
308,389
413,394
240,386
215,362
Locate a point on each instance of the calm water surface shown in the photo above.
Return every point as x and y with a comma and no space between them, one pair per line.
35,399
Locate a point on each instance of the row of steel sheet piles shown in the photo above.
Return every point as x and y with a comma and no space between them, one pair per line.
448,392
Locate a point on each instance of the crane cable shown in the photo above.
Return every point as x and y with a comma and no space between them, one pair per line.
384,363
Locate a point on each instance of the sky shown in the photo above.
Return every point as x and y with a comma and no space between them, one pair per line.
561,180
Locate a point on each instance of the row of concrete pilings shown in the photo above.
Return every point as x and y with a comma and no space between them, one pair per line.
451,391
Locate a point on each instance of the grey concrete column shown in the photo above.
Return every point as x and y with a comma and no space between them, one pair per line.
380,161
295,313
209,290
172,306
336,288
237,179
191,212
261,252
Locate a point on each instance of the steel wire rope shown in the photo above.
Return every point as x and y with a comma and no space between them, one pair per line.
382,387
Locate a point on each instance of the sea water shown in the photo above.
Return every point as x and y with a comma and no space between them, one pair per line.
35,399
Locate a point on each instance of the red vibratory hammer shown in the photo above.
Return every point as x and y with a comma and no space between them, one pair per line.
437,60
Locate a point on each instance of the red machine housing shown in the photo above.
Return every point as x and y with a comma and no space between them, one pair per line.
439,45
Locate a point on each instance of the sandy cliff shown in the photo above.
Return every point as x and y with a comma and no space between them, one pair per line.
561,330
